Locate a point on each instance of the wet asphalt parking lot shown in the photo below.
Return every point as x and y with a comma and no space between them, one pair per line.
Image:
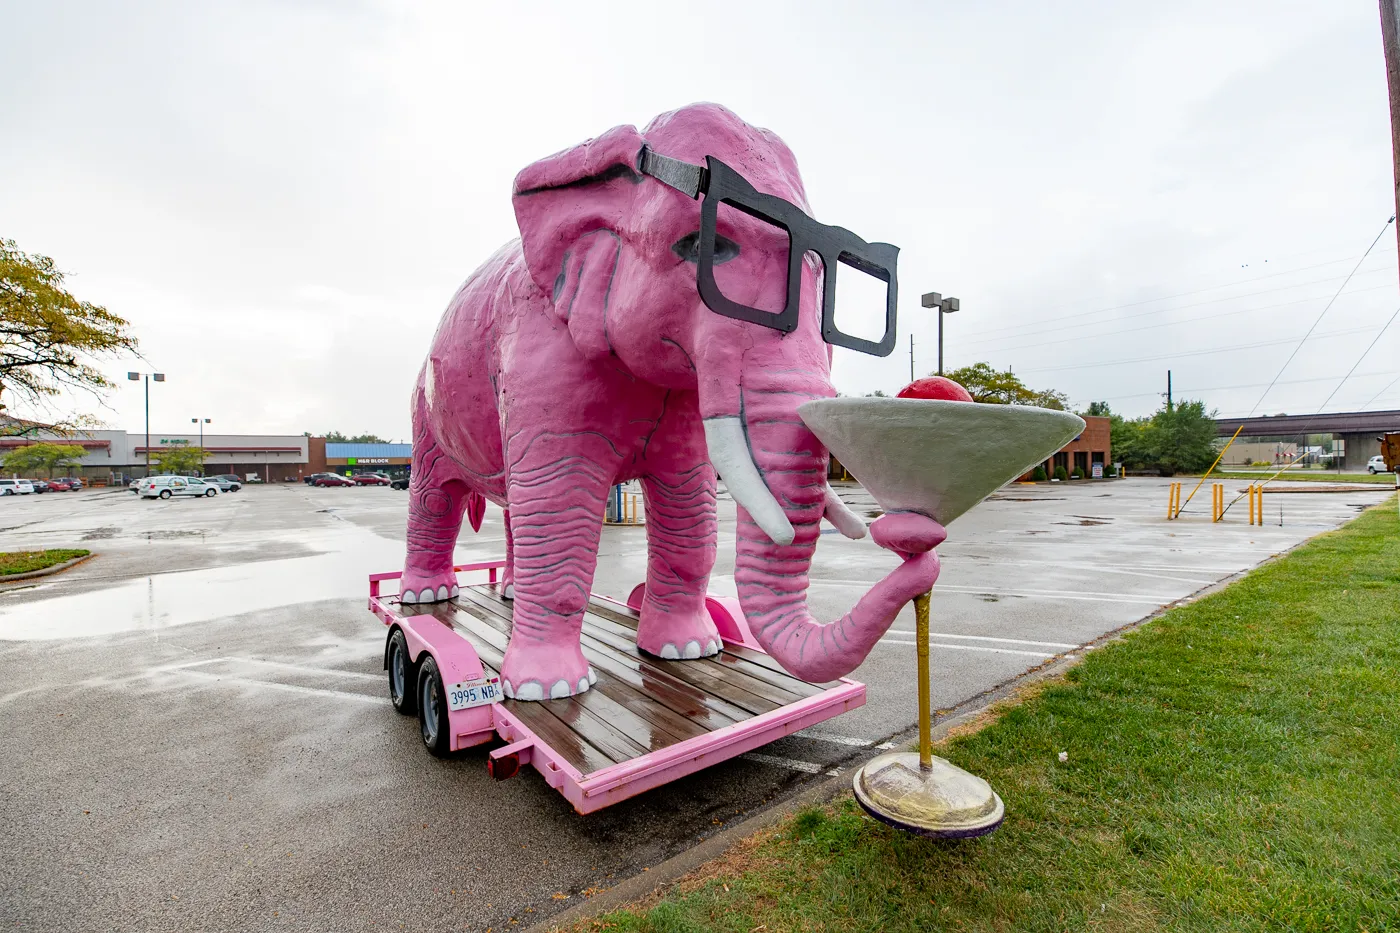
196,733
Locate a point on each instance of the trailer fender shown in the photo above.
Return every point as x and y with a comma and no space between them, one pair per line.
457,662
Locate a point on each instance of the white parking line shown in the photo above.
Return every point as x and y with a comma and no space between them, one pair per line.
273,685
298,668
1007,641
792,764
936,644
835,739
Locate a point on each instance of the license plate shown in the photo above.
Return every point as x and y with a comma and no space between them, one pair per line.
474,693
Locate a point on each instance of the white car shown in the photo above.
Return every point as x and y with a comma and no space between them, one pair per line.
163,487
1376,465
15,487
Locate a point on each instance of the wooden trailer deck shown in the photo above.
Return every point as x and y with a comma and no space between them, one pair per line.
640,704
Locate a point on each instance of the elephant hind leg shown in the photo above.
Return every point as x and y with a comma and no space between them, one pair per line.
438,497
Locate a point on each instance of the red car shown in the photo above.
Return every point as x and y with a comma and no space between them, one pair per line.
60,485
370,479
330,479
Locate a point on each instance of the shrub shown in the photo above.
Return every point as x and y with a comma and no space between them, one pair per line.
1038,475
1077,474
1061,474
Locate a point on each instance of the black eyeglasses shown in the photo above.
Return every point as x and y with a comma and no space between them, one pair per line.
835,245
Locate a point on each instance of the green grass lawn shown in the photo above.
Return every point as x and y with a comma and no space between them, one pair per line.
26,561
1234,765
1309,476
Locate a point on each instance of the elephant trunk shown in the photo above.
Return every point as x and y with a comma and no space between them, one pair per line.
775,468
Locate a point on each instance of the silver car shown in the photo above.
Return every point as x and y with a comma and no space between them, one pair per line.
164,487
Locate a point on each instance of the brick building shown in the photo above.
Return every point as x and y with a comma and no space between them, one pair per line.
1089,448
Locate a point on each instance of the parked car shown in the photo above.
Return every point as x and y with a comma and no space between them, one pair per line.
59,485
400,482
163,487
224,482
39,485
370,479
1376,465
331,479
310,479
15,487
227,478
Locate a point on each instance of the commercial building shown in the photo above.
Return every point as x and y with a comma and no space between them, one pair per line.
1089,450
349,459
117,456
1344,440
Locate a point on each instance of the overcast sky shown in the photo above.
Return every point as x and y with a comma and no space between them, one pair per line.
282,197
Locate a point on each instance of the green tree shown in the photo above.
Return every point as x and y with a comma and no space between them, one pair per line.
1180,439
1098,410
180,458
335,437
47,336
986,384
32,458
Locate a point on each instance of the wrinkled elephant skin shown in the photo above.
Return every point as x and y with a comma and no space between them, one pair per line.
581,356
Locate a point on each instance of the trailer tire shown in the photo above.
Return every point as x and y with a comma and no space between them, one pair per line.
403,675
432,709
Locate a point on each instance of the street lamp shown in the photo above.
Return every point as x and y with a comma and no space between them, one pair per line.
201,422
147,377
944,306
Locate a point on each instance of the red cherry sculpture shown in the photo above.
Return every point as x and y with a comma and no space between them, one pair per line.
935,387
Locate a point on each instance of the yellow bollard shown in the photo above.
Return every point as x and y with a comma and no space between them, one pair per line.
1217,502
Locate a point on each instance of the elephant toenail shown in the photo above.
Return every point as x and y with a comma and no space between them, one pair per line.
669,652
509,591
692,650
592,676
456,590
505,688
408,596
533,691
442,593
582,684
559,690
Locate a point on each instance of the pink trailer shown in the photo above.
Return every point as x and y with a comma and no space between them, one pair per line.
645,722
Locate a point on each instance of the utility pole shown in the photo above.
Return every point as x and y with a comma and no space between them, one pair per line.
1390,40
1169,390
911,357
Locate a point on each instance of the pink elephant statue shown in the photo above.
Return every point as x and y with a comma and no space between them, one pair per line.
582,355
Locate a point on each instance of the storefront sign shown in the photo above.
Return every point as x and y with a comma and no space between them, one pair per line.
1098,471
356,461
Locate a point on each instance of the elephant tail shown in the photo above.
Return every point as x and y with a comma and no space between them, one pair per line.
476,509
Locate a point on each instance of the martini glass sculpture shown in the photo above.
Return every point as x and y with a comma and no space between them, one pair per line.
937,458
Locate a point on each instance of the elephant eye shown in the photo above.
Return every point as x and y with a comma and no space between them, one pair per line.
688,248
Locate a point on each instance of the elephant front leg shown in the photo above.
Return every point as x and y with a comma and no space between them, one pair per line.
681,544
434,519
556,517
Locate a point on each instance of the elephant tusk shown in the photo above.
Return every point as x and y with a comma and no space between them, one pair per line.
729,452
844,520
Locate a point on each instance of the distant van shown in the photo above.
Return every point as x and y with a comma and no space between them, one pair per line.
15,487
163,487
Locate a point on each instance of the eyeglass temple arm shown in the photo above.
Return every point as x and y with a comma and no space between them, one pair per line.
690,180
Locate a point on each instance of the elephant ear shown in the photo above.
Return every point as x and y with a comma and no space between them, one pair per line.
570,208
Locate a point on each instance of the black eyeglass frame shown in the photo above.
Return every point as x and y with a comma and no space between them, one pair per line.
835,245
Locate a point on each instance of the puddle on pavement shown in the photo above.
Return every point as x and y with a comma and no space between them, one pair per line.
165,600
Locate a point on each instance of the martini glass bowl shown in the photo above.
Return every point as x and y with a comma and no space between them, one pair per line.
937,458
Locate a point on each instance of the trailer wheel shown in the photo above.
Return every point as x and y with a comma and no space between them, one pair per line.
432,709
402,683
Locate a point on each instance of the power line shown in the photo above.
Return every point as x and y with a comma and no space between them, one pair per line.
1173,356
1214,316
1384,228
1247,385
1187,294
1380,393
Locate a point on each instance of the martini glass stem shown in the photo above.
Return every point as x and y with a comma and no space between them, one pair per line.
925,714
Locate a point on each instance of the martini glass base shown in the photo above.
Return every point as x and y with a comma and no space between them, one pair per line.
943,803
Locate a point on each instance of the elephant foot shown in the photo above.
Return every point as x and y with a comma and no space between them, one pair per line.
427,588
678,637
544,672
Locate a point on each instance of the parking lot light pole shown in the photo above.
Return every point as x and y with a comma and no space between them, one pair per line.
944,306
147,377
201,422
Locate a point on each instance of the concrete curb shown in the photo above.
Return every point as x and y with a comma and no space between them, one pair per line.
47,571
656,881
